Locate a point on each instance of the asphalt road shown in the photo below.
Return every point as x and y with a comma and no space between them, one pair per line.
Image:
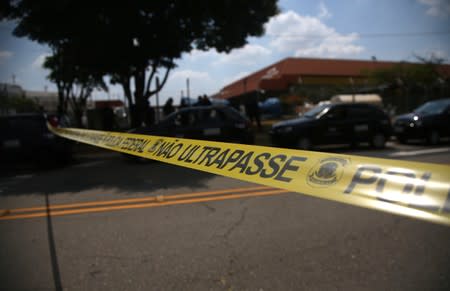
116,225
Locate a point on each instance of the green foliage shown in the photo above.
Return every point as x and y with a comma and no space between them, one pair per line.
75,83
140,39
425,73
18,104
411,84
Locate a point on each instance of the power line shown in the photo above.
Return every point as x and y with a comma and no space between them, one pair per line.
363,35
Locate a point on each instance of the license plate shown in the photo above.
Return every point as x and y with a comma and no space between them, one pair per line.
361,127
211,131
398,129
11,143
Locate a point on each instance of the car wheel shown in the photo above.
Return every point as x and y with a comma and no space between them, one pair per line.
378,141
304,143
433,137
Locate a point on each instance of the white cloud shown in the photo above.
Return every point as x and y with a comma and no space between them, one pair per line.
197,55
437,7
182,75
39,61
308,36
5,55
199,83
323,11
250,54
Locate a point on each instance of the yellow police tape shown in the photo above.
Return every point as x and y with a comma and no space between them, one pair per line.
418,190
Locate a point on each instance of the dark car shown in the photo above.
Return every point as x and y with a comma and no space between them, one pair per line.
25,137
270,108
344,123
431,121
217,123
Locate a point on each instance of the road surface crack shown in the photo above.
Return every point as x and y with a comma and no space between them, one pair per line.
236,224
209,207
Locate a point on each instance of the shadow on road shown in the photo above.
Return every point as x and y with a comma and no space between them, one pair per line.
109,172
52,248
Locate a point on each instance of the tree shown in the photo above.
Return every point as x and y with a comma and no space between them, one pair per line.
413,83
75,83
136,42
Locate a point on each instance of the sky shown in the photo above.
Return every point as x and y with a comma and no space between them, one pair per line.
346,29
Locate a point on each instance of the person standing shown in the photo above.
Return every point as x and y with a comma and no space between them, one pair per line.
168,107
205,101
252,111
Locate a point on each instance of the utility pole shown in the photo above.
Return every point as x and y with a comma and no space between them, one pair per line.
187,88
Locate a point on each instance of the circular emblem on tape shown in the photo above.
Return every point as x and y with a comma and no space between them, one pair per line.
327,172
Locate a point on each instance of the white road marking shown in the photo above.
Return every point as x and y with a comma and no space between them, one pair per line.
419,152
27,176
87,165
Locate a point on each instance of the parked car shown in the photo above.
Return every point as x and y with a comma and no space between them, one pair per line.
343,123
430,122
270,108
26,137
217,123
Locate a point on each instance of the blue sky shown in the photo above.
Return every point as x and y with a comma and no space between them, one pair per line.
346,29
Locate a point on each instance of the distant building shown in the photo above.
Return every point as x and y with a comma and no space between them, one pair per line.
48,101
8,91
45,100
96,118
11,90
280,77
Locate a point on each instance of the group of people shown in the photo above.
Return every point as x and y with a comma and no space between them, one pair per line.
168,107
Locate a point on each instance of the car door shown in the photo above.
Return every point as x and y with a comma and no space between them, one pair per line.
210,124
333,126
360,123
444,121
9,141
185,124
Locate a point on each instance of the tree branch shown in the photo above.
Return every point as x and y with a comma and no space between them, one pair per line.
161,85
150,78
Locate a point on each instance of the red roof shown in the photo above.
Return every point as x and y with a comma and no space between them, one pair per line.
108,103
278,76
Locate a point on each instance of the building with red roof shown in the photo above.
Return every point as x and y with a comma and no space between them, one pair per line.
281,76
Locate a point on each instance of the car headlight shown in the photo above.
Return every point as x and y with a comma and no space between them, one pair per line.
285,129
417,121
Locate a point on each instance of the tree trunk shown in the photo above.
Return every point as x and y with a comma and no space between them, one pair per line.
125,82
139,94
61,100
78,116
78,106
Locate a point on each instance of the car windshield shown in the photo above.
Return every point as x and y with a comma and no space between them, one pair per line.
317,111
433,107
